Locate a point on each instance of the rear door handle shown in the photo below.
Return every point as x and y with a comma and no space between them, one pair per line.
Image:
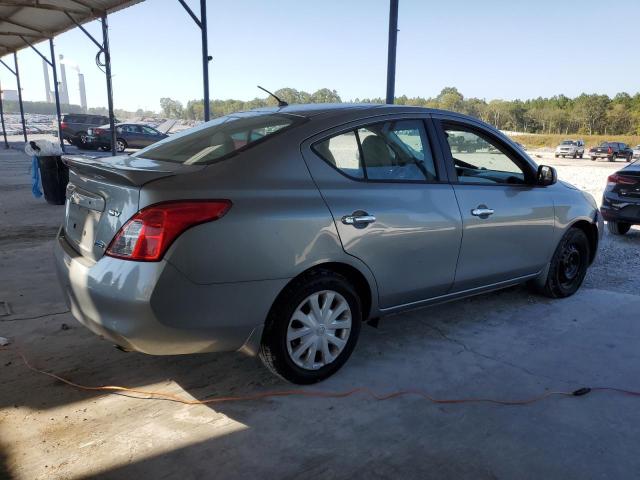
482,211
358,219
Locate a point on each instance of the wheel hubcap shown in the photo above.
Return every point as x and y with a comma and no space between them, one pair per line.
318,330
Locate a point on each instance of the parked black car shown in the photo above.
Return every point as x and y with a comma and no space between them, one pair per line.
621,199
612,151
128,135
74,126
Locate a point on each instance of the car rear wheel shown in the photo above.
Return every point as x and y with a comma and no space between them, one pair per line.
575,155
593,159
312,328
121,145
581,155
618,228
568,265
629,158
612,158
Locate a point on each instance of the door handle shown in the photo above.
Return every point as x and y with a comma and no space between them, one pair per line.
358,219
482,211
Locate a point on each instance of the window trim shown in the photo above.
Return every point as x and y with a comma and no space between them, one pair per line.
528,169
440,176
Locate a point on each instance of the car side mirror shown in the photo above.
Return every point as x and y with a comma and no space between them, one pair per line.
546,175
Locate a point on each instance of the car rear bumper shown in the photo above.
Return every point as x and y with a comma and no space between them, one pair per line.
151,307
620,209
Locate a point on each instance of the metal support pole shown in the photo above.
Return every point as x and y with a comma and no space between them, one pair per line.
391,58
205,57
55,90
24,128
4,131
107,67
202,25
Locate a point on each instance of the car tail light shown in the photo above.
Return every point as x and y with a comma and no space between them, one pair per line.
98,131
63,124
609,150
616,179
149,233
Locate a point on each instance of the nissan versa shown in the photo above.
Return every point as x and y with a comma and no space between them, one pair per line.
280,231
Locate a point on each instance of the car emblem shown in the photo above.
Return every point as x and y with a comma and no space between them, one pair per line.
100,244
114,213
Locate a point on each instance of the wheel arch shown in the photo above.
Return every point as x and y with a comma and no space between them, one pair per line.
591,231
359,281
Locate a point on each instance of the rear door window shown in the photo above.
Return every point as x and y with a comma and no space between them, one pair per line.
395,150
342,152
219,138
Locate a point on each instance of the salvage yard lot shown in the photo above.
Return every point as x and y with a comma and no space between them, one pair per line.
505,345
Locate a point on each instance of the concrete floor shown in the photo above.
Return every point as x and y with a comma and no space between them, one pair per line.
506,345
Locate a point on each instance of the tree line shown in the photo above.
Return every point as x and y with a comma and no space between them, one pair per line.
587,114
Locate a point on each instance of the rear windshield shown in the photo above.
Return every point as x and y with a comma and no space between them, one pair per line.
568,142
217,139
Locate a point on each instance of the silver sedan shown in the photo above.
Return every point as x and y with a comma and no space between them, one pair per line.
280,231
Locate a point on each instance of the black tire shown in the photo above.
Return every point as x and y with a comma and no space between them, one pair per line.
568,265
581,155
629,158
618,228
273,350
575,155
556,156
593,159
612,158
121,145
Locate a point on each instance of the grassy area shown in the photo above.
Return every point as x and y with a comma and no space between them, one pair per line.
552,140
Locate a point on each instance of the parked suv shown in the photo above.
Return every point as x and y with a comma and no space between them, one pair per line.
570,148
279,231
74,126
611,151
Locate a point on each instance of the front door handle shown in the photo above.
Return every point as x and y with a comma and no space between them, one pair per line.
482,211
358,219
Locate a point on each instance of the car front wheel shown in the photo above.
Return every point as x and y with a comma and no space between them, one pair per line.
568,265
121,145
618,228
312,328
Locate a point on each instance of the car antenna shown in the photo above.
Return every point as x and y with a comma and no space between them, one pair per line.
281,103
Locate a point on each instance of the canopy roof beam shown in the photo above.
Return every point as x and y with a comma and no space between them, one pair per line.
37,4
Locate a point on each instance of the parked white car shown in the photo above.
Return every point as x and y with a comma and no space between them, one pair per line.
636,152
570,148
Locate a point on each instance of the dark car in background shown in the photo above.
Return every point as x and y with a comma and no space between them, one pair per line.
611,151
621,199
128,135
74,126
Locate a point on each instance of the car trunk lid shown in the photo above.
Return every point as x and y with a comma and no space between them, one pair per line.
103,193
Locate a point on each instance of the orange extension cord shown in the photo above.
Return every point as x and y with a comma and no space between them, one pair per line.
150,395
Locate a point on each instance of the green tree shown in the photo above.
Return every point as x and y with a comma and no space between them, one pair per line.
324,95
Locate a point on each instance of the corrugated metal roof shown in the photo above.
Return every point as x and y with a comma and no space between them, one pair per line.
38,20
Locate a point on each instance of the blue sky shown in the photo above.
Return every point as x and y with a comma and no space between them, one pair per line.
487,49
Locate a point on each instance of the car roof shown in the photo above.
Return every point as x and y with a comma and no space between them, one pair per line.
337,112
